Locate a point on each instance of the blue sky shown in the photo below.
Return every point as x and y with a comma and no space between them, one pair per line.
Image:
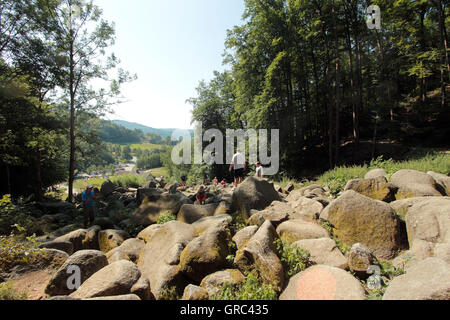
171,45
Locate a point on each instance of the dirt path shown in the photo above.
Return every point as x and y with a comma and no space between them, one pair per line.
32,283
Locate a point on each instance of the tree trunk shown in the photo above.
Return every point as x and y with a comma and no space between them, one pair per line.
443,54
338,84
72,122
38,191
8,179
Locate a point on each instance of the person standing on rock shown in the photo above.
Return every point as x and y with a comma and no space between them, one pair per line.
88,198
259,170
239,165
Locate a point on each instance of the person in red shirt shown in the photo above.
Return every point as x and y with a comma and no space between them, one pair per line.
201,195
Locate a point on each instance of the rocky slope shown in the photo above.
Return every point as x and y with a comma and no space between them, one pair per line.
404,222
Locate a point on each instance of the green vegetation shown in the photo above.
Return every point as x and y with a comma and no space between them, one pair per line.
125,181
7,292
337,178
165,217
293,258
169,293
252,288
345,249
17,249
376,285
13,215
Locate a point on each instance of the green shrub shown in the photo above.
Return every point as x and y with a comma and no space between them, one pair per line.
18,249
252,288
7,292
12,214
387,273
169,293
165,217
293,258
127,181
345,249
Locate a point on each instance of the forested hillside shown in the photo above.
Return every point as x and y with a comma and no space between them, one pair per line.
314,70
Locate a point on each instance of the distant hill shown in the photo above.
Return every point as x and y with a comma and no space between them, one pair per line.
164,133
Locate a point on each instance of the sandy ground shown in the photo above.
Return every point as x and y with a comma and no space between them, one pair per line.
32,283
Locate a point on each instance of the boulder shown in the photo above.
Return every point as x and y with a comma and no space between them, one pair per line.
322,282
241,237
357,218
420,250
323,251
259,253
204,224
412,183
192,292
149,211
104,223
253,193
142,289
375,173
150,194
65,246
206,253
125,297
189,213
298,229
360,259
128,250
76,237
148,232
375,188
426,280
110,239
277,212
91,239
161,255
223,208
89,262
429,220
442,251
402,207
442,180
107,188
113,280
305,207
214,282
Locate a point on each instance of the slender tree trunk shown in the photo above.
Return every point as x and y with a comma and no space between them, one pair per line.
38,191
8,179
338,84
443,54
352,89
443,29
72,122
359,106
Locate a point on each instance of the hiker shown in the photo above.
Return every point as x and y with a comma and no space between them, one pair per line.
223,183
183,180
201,195
215,181
239,165
88,198
259,170
173,188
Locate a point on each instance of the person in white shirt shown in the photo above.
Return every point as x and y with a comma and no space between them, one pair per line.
239,166
259,170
